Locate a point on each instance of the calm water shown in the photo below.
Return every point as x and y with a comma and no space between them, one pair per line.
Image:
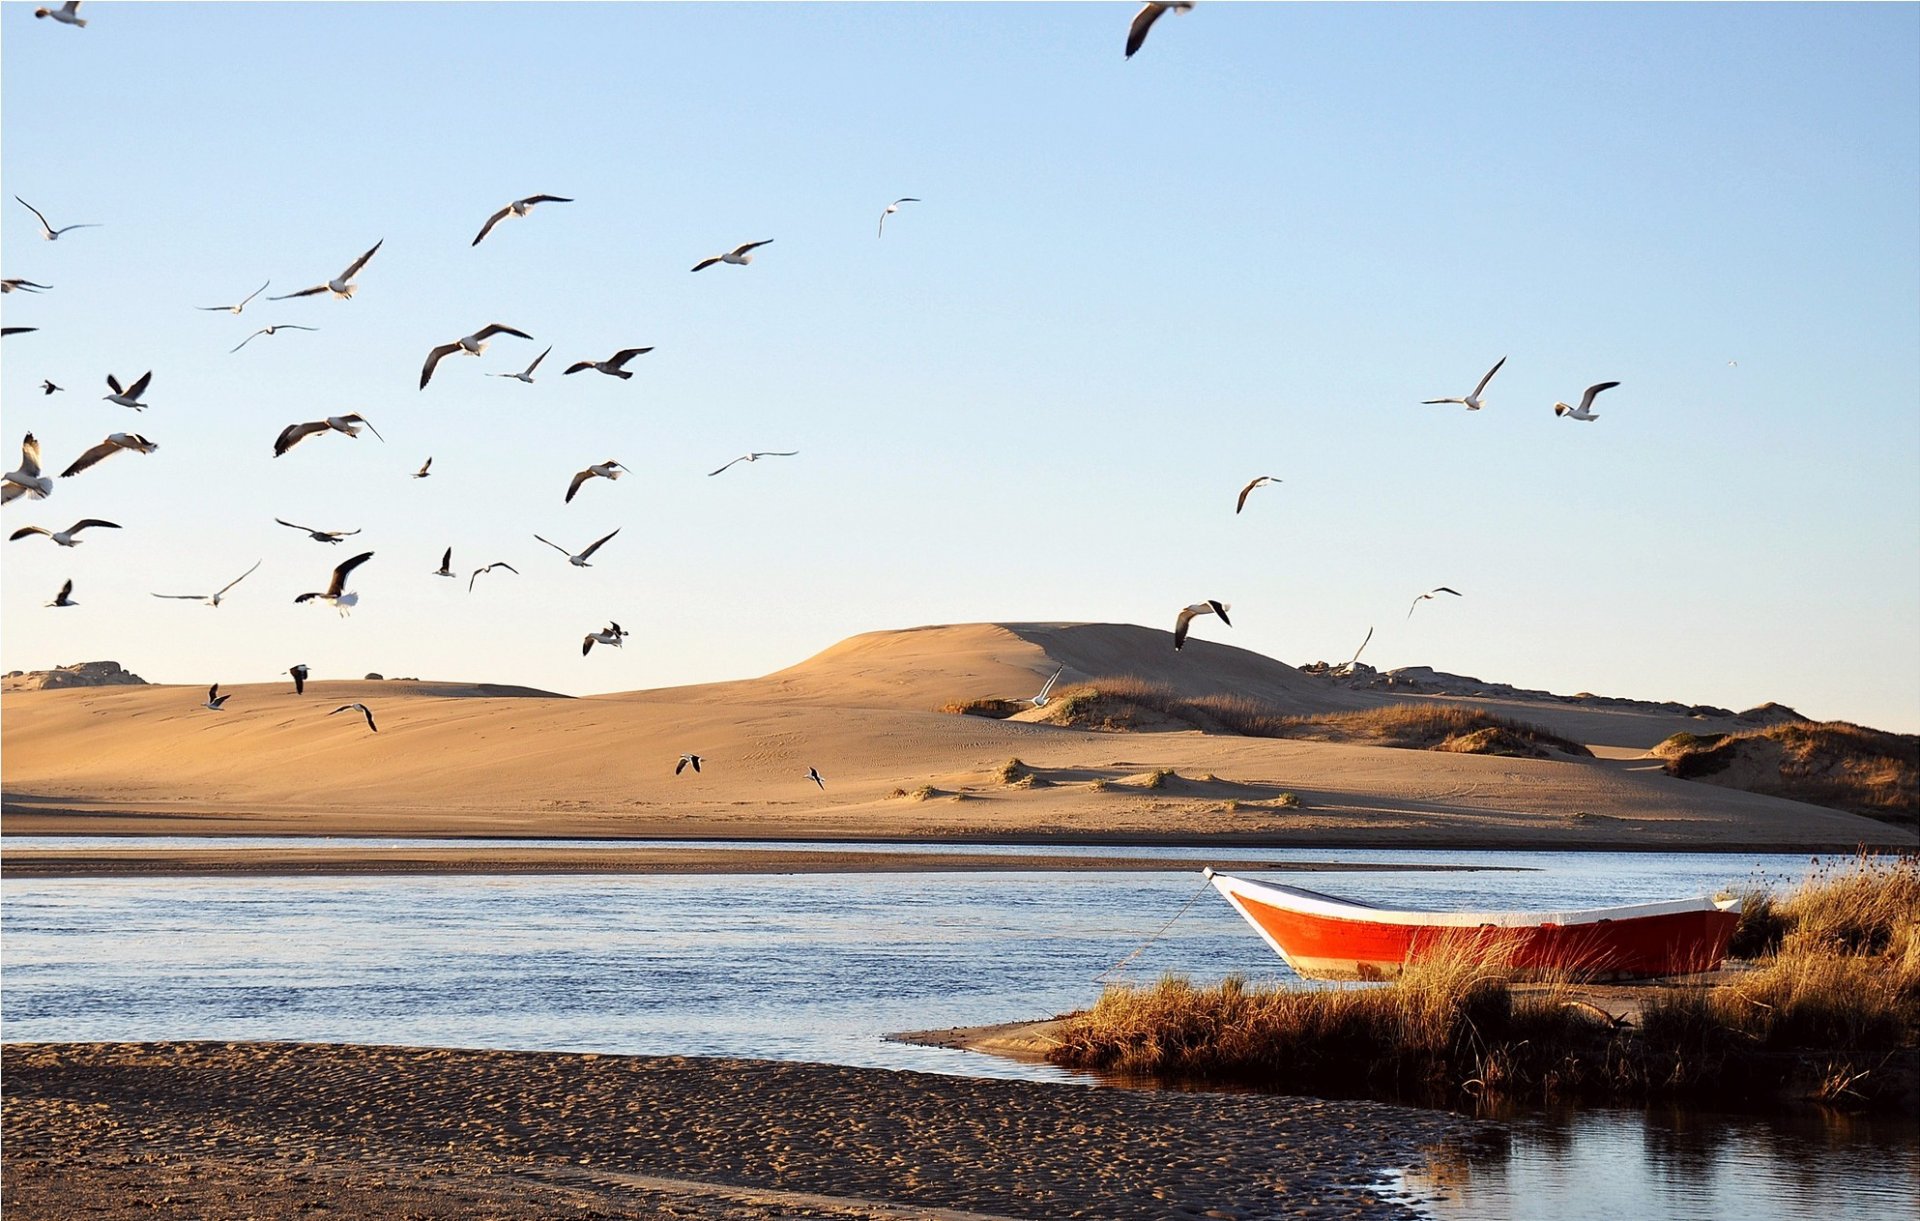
820,967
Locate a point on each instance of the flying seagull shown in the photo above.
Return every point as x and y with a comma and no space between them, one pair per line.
26,481
1144,19
739,256
362,709
7,286
48,231
319,536
684,761
342,286
215,699
234,309
64,537
813,774
336,591
114,443
756,456
519,207
471,345
1046,693
66,14
47,387
613,366
130,396
1209,607
889,210
526,374
1438,589
423,472
299,673
489,568
1473,402
65,596
446,566
611,634
1258,481
267,330
578,561
605,470
214,598
293,434
1585,410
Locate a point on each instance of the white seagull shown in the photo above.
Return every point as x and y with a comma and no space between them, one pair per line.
519,207
65,596
578,561
275,329
1585,410
813,774
114,443
489,568
213,599
890,209
1473,402
343,285
613,366
1438,589
362,709
350,424
1046,693
1209,607
64,537
299,673
130,396
336,591
611,634
48,231
423,472
1258,481
1144,19
66,14
319,536
605,470
471,345
28,286
526,374
739,256
756,456
684,761
234,309
215,699
27,480
446,566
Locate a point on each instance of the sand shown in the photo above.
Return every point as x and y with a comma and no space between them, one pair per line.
218,1131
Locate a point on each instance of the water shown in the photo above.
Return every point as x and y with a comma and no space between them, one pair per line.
821,966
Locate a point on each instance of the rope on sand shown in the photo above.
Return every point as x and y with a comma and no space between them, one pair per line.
1205,885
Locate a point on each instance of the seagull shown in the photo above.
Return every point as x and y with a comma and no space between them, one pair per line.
472,345
129,397
319,536
114,443
343,285
66,14
27,481
234,309
299,673
526,374
267,330
1263,479
1440,589
63,537
48,231
489,568
813,774
446,566
739,256
1144,19
47,387
64,598
578,561
684,761
606,470
362,709
7,286
293,434
215,699
1585,410
336,591
1209,607
519,207
213,599
1041,700
423,472
1473,402
611,634
756,456
612,366
888,211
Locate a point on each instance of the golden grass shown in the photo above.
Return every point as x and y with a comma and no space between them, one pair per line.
995,708
1827,763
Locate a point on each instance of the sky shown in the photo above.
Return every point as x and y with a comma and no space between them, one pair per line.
1131,286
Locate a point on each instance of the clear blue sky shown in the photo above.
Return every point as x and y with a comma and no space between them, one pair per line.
1131,287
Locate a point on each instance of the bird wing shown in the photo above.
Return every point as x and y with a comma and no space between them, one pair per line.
139,387
578,479
433,359
1586,400
23,531
354,267
357,418
1180,625
1242,502
741,458
624,355
369,715
1142,22
1489,377
502,563
30,455
113,384
586,646
29,207
495,328
575,367
213,693
305,292
256,292
1220,609
493,220
775,453
1363,646
88,458
540,199
702,265
680,766
1441,589
184,597
64,591
743,247
596,545
423,467
1460,401
538,359
338,585
85,522
293,434
1051,681
244,342
9,492
291,526
446,559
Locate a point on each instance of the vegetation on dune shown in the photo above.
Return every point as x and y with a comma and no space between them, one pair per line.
998,709
1825,763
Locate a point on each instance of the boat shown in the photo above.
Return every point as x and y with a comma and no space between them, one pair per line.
1323,937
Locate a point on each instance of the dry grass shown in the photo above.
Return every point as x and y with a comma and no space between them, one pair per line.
998,709
1826,763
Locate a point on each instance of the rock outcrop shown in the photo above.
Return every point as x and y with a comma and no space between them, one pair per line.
79,674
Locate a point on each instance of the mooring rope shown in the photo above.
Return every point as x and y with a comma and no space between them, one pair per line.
1205,886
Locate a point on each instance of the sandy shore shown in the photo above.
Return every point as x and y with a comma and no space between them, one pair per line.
217,1131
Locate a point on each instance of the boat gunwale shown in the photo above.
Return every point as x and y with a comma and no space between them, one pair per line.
1314,903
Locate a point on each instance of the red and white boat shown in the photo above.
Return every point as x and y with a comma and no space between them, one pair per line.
1322,937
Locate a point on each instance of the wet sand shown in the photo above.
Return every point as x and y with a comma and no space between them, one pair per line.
220,1130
